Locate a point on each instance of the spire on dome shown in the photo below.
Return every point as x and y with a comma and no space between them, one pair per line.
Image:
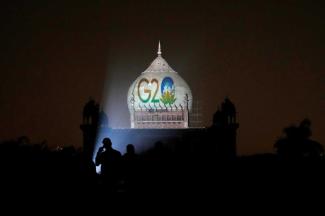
159,49
159,64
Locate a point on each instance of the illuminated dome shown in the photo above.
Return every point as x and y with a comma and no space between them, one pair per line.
159,89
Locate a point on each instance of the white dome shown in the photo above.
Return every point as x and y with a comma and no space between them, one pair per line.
159,86
159,65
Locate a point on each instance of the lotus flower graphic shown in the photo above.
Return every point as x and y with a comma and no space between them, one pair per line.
167,91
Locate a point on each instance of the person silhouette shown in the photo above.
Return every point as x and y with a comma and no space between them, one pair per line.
130,153
130,168
109,159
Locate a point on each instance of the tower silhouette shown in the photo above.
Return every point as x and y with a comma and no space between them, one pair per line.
222,134
89,126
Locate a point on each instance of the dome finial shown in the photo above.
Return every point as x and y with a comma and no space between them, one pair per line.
159,49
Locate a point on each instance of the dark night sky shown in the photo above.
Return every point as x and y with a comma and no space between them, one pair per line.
267,56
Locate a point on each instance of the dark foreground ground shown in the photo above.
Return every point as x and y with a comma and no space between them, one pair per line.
61,177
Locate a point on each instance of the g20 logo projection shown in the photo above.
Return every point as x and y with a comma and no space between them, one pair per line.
148,91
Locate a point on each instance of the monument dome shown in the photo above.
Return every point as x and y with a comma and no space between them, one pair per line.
159,97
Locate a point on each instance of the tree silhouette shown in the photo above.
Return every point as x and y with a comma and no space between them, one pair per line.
296,144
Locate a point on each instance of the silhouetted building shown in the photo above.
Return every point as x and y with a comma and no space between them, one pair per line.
91,117
217,141
223,132
160,103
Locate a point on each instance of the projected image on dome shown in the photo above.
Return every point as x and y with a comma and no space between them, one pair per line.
159,97
148,91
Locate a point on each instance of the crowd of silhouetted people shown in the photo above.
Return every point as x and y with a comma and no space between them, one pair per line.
26,164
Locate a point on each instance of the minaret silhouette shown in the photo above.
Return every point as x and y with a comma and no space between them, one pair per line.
89,127
223,131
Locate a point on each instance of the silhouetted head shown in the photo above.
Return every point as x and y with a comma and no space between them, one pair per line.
130,149
107,143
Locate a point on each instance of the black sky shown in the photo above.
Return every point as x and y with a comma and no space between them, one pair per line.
267,56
